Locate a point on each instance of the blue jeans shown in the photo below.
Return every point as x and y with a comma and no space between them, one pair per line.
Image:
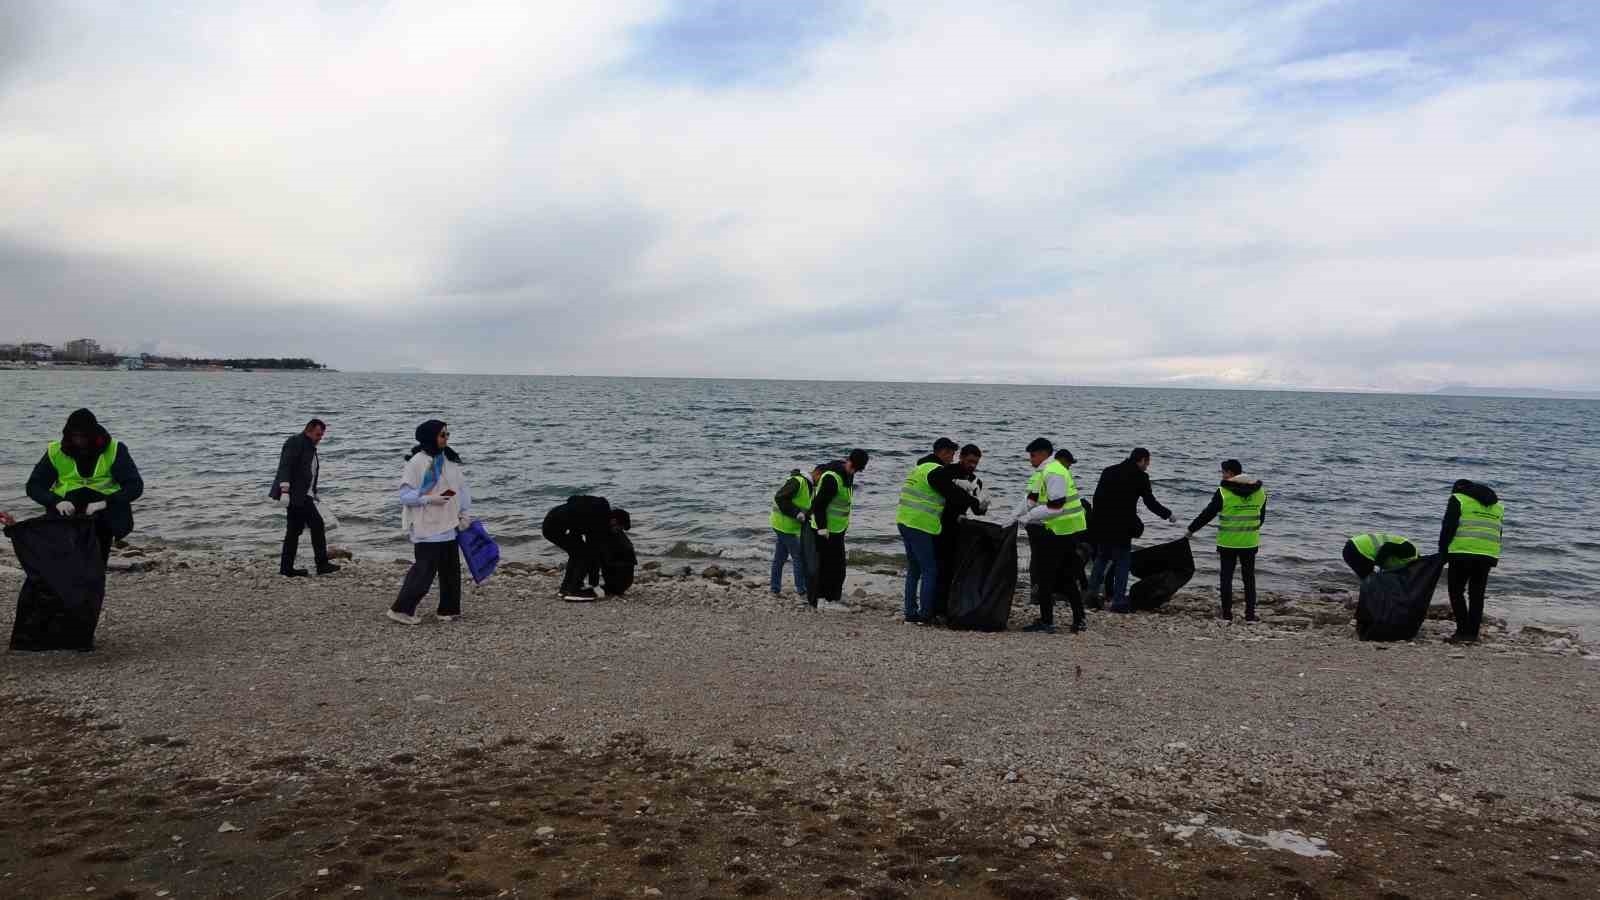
921,565
1103,554
787,547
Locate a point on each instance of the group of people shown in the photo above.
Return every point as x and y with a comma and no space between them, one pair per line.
1065,530
89,475
435,508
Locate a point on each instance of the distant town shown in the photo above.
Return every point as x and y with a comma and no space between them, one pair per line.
88,353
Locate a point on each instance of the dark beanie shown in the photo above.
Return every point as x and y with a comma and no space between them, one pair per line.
81,422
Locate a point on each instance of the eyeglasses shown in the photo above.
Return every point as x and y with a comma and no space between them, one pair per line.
444,434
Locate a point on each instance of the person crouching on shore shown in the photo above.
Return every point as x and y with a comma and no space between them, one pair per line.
434,502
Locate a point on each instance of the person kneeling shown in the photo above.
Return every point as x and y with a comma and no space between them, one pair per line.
584,527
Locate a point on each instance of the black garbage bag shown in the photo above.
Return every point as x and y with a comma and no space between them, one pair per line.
617,562
1162,571
59,605
1394,604
808,560
985,576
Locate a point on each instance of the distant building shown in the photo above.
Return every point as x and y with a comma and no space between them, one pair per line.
37,351
82,349
132,362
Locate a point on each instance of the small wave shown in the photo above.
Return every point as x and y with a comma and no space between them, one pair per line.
869,558
686,550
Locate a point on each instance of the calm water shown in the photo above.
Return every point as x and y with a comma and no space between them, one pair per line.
697,461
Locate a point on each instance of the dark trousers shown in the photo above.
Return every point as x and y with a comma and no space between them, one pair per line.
582,562
303,517
830,568
1246,560
1468,580
1358,564
441,560
1036,563
944,554
1117,558
103,532
1058,574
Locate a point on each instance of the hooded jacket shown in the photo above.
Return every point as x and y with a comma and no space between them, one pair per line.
784,498
1116,503
118,515
1242,485
1452,513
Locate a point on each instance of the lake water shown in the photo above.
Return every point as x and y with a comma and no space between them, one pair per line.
696,461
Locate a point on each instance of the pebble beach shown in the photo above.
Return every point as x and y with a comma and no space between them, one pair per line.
701,737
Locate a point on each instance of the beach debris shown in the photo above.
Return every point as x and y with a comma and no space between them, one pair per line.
1289,841
227,827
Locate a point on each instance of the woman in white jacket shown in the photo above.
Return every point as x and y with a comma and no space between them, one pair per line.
433,504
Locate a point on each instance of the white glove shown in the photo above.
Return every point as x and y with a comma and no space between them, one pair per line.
822,533
66,508
283,493
95,507
1172,518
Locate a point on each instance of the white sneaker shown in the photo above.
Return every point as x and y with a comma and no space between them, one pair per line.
444,618
402,618
830,606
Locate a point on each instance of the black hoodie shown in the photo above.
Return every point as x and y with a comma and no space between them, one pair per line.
118,516
1241,485
1452,512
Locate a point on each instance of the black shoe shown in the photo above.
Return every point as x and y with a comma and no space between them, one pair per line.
1227,614
1040,627
294,573
1079,624
581,595
326,568
1251,617
1459,638
916,620
1096,602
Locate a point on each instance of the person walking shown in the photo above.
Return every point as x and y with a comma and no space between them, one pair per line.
1060,510
1474,521
88,473
434,503
1116,524
296,487
1241,503
830,516
790,507
1377,550
928,493
583,527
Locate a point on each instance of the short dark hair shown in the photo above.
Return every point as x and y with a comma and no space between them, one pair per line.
971,450
943,444
1139,454
316,423
1040,445
1065,456
621,517
858,458
1232,467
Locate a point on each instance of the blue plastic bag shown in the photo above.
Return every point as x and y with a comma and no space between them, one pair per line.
480,551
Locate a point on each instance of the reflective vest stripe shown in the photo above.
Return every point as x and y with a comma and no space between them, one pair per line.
1239,524
921,507
1071,519
839,508
1480,530
68,479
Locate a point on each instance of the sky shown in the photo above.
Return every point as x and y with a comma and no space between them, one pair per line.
1342,195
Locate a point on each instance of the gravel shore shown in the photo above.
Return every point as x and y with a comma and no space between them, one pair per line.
1164,734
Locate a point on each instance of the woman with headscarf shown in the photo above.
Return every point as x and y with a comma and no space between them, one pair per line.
434,502
88,473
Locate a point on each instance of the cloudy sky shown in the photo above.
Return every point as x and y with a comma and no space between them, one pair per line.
1369,194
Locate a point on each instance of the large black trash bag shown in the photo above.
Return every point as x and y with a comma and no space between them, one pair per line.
985,576
1394,604
59,605
617,562
808,560
1162,571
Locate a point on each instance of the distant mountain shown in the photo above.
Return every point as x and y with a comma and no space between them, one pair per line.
1463,390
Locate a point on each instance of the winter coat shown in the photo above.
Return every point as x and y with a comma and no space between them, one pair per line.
297,466
1116,503
118,514
1452,514
1241,485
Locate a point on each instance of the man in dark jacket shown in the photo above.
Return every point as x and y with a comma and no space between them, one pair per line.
973,498
1116,523
88,473
296,487
1470,538
582,527
830,516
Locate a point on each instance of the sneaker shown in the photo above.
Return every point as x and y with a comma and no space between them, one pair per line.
581,595
831,606
1251,618
1040,628
294,573
402,618
447,617
326,568
1459,638
915,620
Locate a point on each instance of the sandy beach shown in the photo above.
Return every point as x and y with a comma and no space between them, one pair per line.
240,734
